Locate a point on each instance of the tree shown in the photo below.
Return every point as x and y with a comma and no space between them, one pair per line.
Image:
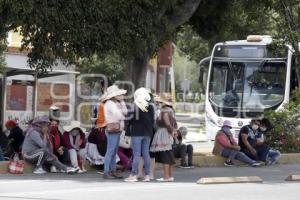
111,66
286,15
69,30
192,44
222,20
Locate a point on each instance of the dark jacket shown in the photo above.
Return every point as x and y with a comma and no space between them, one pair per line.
68,142
17,138
141,123
52,140
97,137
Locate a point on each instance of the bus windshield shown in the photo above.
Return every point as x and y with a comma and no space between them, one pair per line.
245,88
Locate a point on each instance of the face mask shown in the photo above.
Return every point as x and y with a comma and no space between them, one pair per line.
263,129
226,130
75,132
254,127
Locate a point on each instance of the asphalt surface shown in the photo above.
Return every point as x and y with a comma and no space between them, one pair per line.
93,186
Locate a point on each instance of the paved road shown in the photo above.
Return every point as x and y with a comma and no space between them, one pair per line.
91,186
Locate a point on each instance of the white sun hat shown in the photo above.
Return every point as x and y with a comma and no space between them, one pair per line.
114,91
103,97
73,125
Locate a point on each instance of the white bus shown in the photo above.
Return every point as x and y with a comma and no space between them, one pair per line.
245,79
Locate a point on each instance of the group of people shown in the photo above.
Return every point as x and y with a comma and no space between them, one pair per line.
135,135
251,147
149,123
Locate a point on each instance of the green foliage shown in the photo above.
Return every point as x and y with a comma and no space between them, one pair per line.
285,135
112,67
223,20
69,30
2,63
192,44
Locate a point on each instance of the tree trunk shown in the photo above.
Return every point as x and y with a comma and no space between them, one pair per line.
136,70
137,67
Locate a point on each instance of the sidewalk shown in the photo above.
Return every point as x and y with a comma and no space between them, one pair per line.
200,159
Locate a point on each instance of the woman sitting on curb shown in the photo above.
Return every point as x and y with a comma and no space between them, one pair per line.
75,141
57,142
227,147
37,147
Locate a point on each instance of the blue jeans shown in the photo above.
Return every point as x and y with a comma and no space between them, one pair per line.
1,155
113,140
140,147
232,155
274,155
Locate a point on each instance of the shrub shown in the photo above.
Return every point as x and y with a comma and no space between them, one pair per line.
286,132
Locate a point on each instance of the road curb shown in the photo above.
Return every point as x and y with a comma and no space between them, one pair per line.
226,180
210,160
199,160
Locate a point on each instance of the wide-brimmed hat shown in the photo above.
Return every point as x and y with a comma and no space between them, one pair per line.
73,125
114,91
162,100
103,97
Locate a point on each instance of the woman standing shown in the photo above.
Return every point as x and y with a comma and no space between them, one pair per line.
115,111
142,126
163,140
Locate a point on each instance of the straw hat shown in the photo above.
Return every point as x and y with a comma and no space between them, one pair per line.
161,100
73,125
114,91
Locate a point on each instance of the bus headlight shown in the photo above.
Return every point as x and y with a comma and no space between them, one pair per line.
220,121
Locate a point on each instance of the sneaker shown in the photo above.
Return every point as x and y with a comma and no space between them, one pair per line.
228,163
162,180
84,170
171,179
53,169
184,166
100,172
72,170
147,178
39,170
81,171
131,178
256,164
191,166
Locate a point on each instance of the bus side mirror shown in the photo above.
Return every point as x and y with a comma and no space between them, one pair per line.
203,64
